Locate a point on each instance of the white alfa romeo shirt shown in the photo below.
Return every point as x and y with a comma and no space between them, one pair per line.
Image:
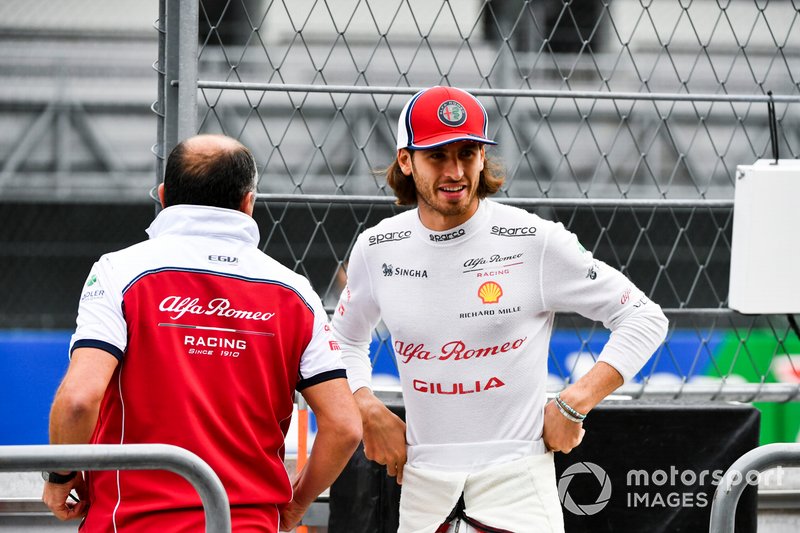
470,312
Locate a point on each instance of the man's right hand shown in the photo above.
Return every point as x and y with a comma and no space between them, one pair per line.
290,515
384,434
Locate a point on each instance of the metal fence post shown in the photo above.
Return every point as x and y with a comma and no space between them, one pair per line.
128,457
158,105
735,480
180,67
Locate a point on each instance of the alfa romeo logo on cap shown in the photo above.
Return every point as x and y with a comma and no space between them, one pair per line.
452,113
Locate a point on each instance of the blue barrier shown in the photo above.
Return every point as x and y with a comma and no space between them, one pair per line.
32,364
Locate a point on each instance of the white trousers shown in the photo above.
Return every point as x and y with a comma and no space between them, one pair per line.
518,496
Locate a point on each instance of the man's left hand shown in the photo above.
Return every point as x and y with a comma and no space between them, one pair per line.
56,497
560,434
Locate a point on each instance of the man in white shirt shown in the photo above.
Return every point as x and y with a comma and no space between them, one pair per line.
468,289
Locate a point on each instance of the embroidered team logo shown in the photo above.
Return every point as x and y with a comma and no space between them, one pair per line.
490,292
452,113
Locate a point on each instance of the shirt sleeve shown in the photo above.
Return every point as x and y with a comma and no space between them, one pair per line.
355,317
320,360
101,323
574,281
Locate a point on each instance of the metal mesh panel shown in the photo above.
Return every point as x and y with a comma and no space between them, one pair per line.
625,120
47,251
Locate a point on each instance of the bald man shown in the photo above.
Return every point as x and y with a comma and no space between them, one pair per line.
198,339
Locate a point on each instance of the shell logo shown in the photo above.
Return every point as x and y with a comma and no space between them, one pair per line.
490,292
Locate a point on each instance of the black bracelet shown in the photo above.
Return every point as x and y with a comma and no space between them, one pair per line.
59,479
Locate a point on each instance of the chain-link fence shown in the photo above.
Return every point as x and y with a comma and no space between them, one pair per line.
623,119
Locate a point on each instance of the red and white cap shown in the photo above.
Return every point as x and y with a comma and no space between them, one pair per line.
441,115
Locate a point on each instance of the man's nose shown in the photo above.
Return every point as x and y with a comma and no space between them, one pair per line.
454,168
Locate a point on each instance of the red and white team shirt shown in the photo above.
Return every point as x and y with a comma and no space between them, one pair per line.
470,311
213,338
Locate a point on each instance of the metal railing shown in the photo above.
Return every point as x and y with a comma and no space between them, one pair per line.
128,457
716,392
508,93
735,480
331,199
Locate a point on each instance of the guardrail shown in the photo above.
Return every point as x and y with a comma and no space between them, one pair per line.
733,483
128,457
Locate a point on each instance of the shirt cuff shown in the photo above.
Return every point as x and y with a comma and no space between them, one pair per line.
100,345
319,378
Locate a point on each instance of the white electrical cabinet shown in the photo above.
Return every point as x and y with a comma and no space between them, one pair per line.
765,249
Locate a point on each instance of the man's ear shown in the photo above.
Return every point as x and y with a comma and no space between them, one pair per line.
404,160
248,203
161,194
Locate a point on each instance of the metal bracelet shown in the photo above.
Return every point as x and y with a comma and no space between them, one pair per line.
561,403
567,415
